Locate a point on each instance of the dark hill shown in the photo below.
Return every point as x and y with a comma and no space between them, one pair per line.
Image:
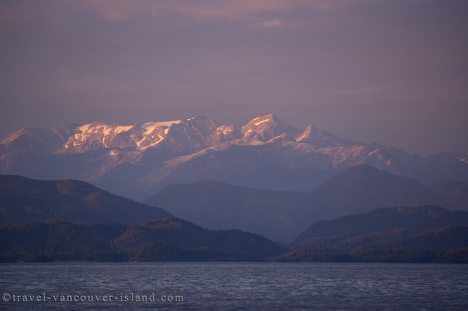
386,219
164,240
24,200
218,205
401,234
363,188
282,215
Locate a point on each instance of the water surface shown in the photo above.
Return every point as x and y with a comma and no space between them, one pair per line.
242,286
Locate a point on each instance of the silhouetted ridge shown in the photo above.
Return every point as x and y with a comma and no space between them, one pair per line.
167,239
386,219
282,215
400,234
26,200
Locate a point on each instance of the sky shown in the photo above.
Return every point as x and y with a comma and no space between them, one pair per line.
387,71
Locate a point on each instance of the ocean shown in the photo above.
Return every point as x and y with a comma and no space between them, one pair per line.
233,286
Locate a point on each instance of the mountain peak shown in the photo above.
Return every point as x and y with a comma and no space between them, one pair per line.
14,135
152,125
201,121
266,118
266,127
306,134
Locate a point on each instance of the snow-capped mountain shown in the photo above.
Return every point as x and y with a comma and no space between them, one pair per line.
138,159
188,135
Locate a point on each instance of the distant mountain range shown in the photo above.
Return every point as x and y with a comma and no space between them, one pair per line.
24,200
138,160
72,220
403,234
278,215
265,177
163,240
63,220
282,215
416,219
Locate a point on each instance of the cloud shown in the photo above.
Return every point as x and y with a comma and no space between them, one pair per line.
17,12
367,90
232,66
273,23
118,10
91,83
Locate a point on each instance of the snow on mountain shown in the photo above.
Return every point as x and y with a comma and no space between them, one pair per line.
94,136
35,140
265,128
136,159
189,135
463,159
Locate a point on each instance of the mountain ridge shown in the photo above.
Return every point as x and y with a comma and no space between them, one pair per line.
26,200
281,215
399,234
168,239
137,160
412,218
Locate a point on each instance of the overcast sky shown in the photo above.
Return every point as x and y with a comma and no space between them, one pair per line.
388,71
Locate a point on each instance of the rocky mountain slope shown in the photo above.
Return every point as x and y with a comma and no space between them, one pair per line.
137,160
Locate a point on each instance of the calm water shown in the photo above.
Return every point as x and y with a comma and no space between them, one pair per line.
229,286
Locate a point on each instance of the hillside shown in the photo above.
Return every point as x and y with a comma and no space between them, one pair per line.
138,160
24,200
217,205
401,234
164,240
417,218
282,215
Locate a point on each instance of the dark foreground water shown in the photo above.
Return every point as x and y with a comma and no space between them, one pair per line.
233,286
